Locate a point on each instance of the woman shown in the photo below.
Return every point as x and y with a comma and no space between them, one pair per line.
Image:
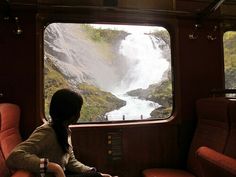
48,151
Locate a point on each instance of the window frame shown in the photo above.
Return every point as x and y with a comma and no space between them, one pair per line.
132,18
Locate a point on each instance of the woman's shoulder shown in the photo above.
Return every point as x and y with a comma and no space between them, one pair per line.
46,126
44,130
41,137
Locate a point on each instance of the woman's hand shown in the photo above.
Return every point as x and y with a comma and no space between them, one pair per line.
105,175
56,169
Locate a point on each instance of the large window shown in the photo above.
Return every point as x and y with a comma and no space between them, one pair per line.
123,72
230,59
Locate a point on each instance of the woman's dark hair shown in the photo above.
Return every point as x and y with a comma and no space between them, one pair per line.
65,105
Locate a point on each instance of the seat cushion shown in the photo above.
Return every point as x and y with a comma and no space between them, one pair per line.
165,172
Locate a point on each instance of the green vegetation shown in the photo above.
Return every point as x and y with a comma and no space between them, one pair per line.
230,59
53,81
160,93
97,103
103,35
105,40
163,95
161,112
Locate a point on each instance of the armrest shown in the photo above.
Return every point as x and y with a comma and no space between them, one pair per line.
22,173
216,164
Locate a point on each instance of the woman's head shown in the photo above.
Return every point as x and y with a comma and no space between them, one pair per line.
65,106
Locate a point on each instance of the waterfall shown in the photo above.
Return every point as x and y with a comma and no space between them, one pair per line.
145,61
146,67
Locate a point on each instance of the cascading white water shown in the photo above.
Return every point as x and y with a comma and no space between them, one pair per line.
134,109
147,66
145,59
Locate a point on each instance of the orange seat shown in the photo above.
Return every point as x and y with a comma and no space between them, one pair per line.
215,163
165,172
212,131
9,137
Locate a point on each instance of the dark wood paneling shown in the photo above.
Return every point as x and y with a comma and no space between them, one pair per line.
72,2
17,68
147,4
143,147
201,64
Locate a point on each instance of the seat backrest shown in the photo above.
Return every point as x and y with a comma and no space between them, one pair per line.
230,148
212,129
9,132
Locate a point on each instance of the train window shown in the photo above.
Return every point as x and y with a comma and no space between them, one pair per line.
230,59
122,71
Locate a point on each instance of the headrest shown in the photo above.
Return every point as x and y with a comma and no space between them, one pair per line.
10,116
213,109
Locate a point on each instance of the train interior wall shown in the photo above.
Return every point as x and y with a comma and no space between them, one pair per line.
196,71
